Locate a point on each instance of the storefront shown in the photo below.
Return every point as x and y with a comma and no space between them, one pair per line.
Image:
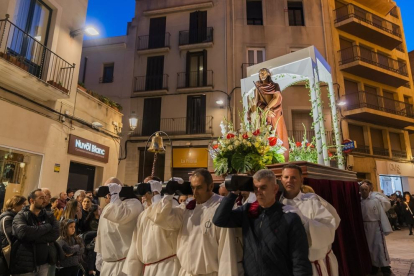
186,160
395,176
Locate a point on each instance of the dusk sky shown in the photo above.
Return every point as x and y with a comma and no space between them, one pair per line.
111,20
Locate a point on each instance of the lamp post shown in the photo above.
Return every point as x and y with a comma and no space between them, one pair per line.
157,147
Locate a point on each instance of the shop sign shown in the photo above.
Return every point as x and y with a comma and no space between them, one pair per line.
88,149
57,168
348,146
190,158
394,168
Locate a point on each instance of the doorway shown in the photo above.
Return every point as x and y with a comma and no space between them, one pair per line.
81,177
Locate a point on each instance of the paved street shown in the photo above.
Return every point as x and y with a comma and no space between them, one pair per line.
401,249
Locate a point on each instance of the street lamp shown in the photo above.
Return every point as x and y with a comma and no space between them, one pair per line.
341,103
133,121
90,31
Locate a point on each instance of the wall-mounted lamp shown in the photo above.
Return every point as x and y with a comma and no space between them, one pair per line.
220,102
341,103
133,121
90,31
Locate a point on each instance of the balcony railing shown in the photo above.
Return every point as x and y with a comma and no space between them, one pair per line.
400,48
195,79
361,149
363,99
309,134
352,11
394,12
147,42
106,79
181,126
357,53
151,83
380,151
23,50
399,154
199,36
244,69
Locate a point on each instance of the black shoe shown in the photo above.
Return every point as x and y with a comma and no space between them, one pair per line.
374,270
411,233
397,228
386,271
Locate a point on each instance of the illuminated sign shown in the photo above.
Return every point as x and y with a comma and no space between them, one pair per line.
88,149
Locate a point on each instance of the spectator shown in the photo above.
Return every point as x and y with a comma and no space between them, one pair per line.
90,230
36,232
54,201
408,208
48,196
73,211
62,200
86,205
182,198
79,195
223,190
12,207
399,194
72,247
92,220
70,193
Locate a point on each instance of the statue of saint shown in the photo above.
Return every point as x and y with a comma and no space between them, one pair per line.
268,98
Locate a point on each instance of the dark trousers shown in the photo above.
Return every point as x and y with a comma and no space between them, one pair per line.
410,227
67,271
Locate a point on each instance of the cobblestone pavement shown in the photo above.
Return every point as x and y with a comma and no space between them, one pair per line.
401,249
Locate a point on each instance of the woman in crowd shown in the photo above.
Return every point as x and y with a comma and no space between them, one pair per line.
90,229
73,211
92,220
12,207
55,210
408,208
72,247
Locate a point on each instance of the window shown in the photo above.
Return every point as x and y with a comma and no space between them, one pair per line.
198,27
395,141
151,119
254,12
155,72
295,10
157,33
196,114
108,73
196,74
255,55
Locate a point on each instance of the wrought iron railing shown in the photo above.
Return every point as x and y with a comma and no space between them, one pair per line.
399,154
363,99
298,135
106,79
151,83
195,79
181,126
244,69
26,52
146,42
380,151
400,48
199,36
352,11
361,149
356,53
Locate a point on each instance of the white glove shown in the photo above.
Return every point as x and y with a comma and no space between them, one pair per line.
98,261
156,186
178,179
294,209
114,190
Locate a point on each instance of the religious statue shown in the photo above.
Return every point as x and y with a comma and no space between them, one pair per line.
268,100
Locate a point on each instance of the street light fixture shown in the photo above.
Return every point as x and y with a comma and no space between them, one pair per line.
341,103
90,31
220,102
133,121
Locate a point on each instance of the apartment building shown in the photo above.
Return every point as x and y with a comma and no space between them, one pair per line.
53,134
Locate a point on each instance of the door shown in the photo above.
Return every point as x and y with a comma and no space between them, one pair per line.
152,116
155,71
81,177
347,51
196,114
157,33
198,27
196,75
389,102
352,95
371,97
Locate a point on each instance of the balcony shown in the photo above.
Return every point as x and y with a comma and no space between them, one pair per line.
106,79
363,62
181,126
372,108
397,154
195,81
195,40
30,68
309,134
361,23
154,44
362,149
153,85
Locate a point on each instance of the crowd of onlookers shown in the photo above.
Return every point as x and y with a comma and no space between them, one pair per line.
401,212
50,235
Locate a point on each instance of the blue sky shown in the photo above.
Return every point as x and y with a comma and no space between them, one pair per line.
111,20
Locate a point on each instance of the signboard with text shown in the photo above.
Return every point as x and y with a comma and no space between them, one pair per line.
88,149
348,146
190,158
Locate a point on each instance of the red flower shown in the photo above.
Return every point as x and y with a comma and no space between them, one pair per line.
215,146
257,132
308,144
191,205
230,135
245,136
272,141
330,154
298,144
254,210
